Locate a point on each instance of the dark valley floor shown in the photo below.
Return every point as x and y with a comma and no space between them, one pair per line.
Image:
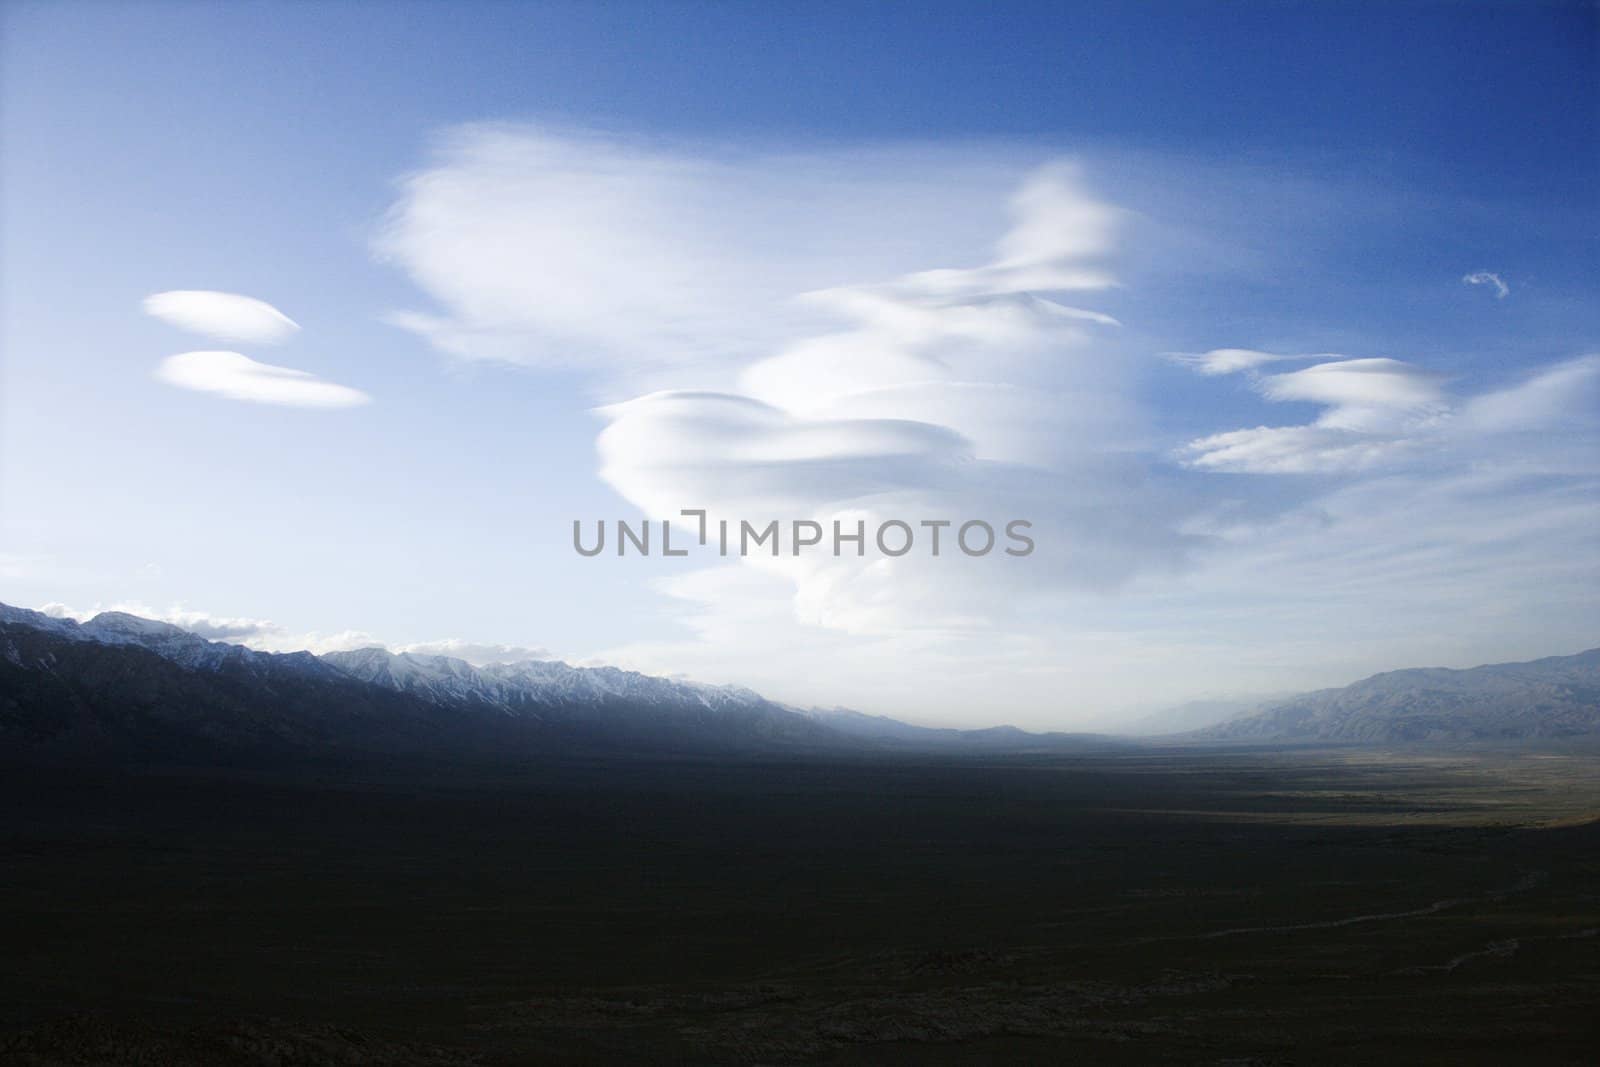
1171,906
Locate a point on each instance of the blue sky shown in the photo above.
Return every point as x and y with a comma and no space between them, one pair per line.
1289,179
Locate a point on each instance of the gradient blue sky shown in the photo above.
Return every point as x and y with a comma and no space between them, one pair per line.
1294,179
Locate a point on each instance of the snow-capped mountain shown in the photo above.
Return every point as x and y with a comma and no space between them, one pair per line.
119,683
517,687
170,642
596,702
123,683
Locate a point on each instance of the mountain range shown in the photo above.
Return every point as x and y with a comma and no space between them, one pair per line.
120,687
1547,698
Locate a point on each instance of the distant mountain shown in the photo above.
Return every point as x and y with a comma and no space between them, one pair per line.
516,686
599,703
170,642
1193,715
93,693
893,733
1546,698
121,686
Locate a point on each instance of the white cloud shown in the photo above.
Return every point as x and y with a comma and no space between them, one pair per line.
741,457
1378,411
263,635
1293,450
212,627
238,377
1362,384
477,653
950,394
1563,396
542,246
1484,277
1233,360
226,316
805,359
1385,413
864,334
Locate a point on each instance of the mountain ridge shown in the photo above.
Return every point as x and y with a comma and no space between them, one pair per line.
1550,697
119,682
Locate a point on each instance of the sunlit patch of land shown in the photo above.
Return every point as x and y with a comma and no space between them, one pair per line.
1484,786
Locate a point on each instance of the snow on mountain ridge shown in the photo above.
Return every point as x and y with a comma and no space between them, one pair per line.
38,620
170,641
513,687
122,623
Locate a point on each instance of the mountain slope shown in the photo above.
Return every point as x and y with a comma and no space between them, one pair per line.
1546,698
69,697
601,703
119,686
170,642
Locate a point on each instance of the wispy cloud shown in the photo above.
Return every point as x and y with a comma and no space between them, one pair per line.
1361,393
224,316
1384,412
1314,449
1485,277
1375,410
542,246
1221,361
238,377
1556,402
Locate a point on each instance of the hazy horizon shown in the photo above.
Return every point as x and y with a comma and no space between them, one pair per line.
1199,710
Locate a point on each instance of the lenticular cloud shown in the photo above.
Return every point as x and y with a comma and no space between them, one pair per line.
239,377
226,316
